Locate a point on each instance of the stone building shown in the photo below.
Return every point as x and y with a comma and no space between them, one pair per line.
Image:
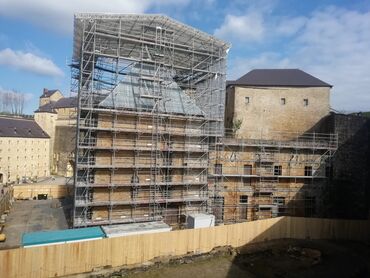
156,139
151,94
24,150
264,101
271,162
57,116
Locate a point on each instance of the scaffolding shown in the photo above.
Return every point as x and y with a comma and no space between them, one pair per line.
151,94
258,178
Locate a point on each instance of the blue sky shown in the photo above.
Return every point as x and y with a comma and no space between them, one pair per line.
328,39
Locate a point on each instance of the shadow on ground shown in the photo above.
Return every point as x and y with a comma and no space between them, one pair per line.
302,258
284,258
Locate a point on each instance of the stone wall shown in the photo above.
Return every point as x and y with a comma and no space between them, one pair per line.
348,192
64,147
265,110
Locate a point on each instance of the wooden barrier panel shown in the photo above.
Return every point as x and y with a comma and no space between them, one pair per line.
23,192
73,258
6,200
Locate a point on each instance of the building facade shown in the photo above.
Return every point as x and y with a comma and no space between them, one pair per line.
57,116
285,100
272,161
151,97
156,139
24,150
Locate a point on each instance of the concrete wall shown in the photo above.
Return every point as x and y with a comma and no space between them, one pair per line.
265,112
24,157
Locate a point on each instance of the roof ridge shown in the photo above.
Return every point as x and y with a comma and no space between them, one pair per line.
279,78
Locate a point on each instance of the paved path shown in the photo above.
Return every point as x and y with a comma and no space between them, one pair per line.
31,216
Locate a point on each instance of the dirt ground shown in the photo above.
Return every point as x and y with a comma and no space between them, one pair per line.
275,259
32,216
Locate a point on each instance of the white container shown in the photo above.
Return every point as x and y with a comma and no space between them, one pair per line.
200,220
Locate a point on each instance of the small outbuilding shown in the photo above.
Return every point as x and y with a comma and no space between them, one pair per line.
61,236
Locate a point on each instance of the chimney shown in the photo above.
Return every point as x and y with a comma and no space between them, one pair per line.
45,91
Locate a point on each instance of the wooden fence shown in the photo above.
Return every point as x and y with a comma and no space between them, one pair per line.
30,191
72,258
6,200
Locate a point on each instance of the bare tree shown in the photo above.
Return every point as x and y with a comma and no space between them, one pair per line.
21,103
12,102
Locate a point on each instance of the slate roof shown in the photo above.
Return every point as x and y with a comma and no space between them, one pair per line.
48,93
20,127
49,107
278,78
68,102
134,95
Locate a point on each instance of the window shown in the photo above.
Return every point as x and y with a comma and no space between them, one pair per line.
243,199
218,169
305,102
280,201
283,101
277,170
246,100
308,171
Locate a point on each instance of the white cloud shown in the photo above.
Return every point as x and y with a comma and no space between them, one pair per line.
58,15
331,44
29,62
240,66
249,27
334,45
290,26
